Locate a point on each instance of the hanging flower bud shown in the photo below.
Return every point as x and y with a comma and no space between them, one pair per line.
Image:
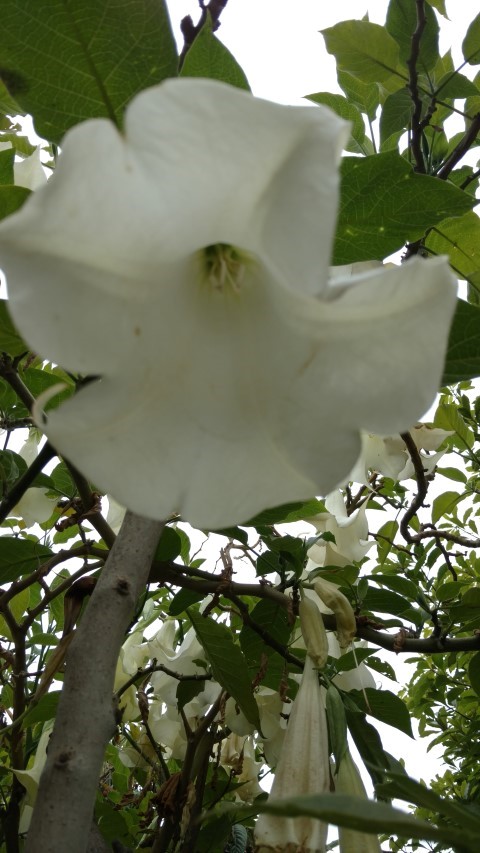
348,781
313,631
336,601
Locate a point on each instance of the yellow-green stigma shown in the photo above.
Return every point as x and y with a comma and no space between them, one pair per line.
223,267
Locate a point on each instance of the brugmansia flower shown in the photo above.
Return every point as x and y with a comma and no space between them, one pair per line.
389,455
350,534
303,768
185,260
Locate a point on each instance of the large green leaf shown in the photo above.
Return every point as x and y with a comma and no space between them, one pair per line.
401,23
384,204
20,556
355,813
366,96
65,61
385,706
345,109
404,788
459,238
228,663
274,619
366,51
471,42
208,57
396,114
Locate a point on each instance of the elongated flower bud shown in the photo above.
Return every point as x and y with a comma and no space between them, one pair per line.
303,768
348,781
313,631
336,601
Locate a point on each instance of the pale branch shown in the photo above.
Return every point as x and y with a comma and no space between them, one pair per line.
86,714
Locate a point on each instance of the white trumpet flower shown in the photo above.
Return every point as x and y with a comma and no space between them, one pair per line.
303,768
184,259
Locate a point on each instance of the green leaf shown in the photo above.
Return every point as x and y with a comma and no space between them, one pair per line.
396,114
456,85
474,672
366,51
471,43
384,601
445,504
449,590
346,110
169,546
463,353
19,557
385,706
274,619
404,788
401,23
6,165
366,96
448,417
187,690
10,340
62,481
11,199
355,813
398,583
385,204
228,663
65,62
459,239
208,57
296,511
453,474
12,466
184,599
44,710
439,5
8,106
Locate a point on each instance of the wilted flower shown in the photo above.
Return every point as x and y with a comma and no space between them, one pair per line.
303,768
185,260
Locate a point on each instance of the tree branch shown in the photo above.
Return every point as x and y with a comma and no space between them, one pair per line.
86,715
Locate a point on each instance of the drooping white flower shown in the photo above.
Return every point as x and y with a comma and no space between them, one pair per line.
350,532
28,171
303,768
389,455
185,260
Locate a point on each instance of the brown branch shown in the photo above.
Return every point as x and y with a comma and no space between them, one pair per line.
88,500
422,486
461,149
24,482
416,139
190,30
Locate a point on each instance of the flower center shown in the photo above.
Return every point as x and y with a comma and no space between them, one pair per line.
223,267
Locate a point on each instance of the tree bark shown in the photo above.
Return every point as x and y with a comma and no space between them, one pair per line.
85,719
